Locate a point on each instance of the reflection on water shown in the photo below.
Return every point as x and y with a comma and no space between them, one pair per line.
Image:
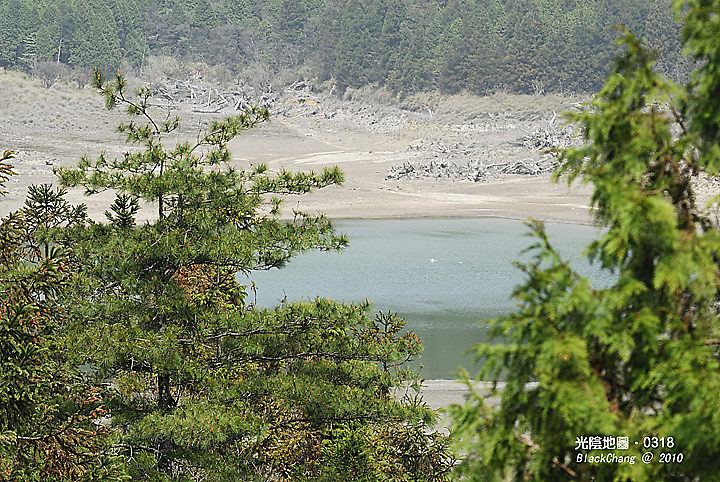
444,276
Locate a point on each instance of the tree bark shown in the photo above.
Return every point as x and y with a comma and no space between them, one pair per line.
165,399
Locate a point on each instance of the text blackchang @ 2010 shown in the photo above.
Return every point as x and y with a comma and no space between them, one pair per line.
598,442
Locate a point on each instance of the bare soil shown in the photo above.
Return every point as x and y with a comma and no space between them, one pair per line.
365,135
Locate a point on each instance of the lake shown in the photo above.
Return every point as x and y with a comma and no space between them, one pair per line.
444,276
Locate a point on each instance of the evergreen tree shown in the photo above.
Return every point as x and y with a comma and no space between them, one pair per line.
50,424
46,211
18,22
408,45
584,366
94,41
292,16
200,383
29,57
123,210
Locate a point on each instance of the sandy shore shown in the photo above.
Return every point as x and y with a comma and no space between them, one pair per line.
55,127
367,193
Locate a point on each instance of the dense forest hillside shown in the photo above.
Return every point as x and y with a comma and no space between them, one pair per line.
407,45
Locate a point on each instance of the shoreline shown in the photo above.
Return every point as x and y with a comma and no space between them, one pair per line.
456,216
441,393
518,198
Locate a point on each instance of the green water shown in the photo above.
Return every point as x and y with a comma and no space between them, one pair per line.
444,276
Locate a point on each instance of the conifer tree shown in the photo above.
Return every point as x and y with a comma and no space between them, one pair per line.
123,210
199,383
49,426
633,369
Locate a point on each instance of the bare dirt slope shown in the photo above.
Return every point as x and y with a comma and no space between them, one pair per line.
445,143
371,142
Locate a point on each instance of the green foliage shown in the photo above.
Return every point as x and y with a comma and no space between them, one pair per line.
5,170
640,357
353,450
408,45
346,455
123,211
47,211
49,424
413,454
197,383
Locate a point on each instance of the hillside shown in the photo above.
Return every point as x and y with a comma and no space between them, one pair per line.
560,46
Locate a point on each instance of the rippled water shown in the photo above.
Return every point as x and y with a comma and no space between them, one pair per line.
444,276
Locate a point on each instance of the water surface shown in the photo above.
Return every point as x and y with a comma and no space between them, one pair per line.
444,276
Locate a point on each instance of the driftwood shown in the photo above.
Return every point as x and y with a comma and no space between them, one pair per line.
212,100
447,159
472,171
551,136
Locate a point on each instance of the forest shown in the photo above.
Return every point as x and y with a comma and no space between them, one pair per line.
562,46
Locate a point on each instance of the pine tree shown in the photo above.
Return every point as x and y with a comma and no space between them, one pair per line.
29,57
585,367
198,382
